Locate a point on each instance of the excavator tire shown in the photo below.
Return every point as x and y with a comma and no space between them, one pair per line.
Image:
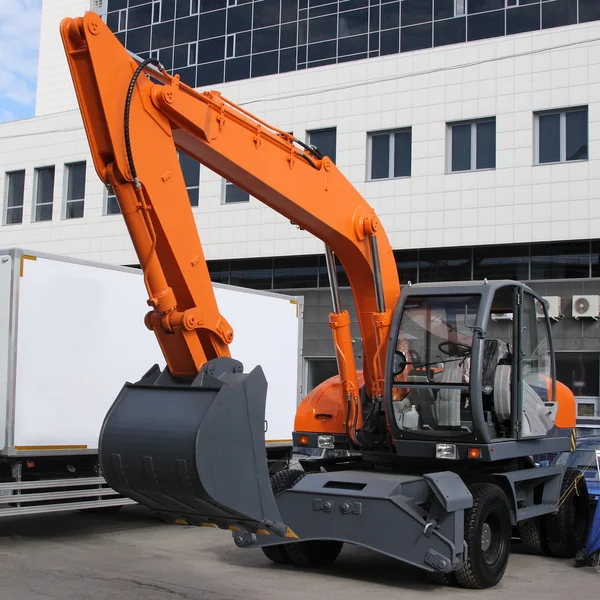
567,527
447,579
533,536
488,533
281,481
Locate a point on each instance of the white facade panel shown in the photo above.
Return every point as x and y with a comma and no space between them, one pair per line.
507,79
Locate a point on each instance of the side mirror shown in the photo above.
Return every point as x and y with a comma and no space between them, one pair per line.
400,363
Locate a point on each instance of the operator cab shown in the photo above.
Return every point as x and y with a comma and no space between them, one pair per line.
472,363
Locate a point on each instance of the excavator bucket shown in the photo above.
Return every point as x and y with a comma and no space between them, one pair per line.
194,451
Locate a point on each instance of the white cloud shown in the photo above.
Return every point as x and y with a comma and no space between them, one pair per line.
19,47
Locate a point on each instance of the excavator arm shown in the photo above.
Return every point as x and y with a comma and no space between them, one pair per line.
137,117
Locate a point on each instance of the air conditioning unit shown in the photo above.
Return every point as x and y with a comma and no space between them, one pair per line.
586,306
553,306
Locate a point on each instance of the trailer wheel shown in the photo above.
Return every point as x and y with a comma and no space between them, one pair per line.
533,536
281,481
488,533
567,527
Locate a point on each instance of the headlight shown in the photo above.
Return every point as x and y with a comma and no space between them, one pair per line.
325,441
445,451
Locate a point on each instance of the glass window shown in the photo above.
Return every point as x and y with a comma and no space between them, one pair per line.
445,264
167,10
237,68
324,275
353,45
416,11
443,9
559,13
112,205
44,194
390,154
523,18
560,260
187,75
416,38
165,55
116,4
589,10
239,18
390,15
562,136
206,5
288,35
234,194
183,8
186,30
139,16
321,51
450,31
355,22
191,175
265,64
266,13
323,28
579,371
485,25
287,60
390,41
289,11
374,42
219,271
210,73
15,192
374,18
162,35
407,262
75,190
138,40
477,6
211,50
295,272
255,273
473,145
324,140
595,259
212,24
501,262
265,39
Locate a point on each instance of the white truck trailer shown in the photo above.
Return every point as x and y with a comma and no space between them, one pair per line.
71,334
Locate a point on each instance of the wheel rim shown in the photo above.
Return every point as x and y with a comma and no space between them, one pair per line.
492,540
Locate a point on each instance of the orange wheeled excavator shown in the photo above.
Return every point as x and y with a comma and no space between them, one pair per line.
437,430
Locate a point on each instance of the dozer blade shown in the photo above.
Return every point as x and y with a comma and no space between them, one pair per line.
194,451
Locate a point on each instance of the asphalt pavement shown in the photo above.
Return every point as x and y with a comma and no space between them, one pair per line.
131,555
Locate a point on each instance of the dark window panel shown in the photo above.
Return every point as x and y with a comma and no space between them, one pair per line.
166,57
329,9
112,205
209,74
374,41
229,49
74,210
560,260
181,55
255,273
234,194
303,14
301,66
374,18
402,153
138,40
323,28
324,276
373,54
501,262
353,4
137,2
288,35
194,196
139,16
186,30
549,138
237,68
303,4
190,169
16,188
212,24
315,3
302,32
265,39
416,37
595,259
445,264
265,64
342,59
239,18
486,25
443,9
478,6
353,45
266,13
577,135
353,23
321,51
287,60
76,181
461,147
416,11
289,11
302,54
167,10
450,31
325,140
115,5
112,21
187,75
121,37
579,371
162,34
390,16
14,216
407,264
559,13
219,271
206,5
486,145
522,18
182,8
589,10
390,42
242,43
211,50
295,272
380,156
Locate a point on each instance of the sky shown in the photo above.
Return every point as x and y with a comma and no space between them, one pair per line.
19,47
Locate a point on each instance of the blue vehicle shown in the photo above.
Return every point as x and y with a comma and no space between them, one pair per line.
584,459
